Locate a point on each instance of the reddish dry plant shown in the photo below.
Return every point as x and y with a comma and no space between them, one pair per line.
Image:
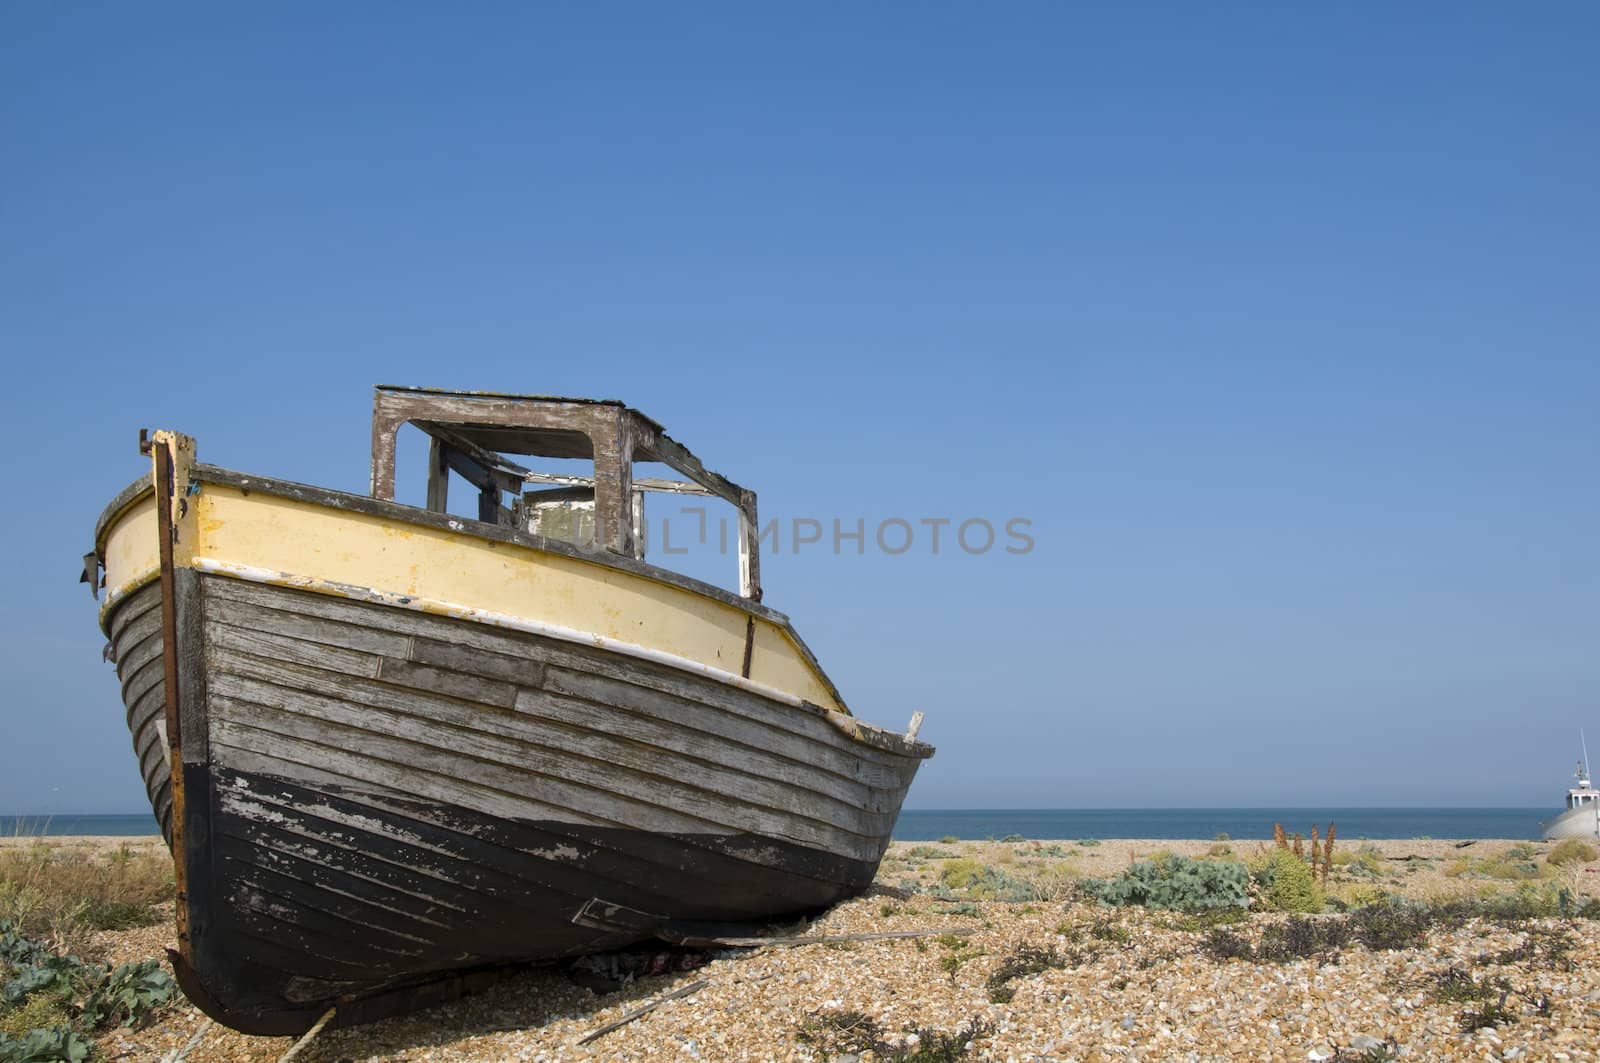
1279,837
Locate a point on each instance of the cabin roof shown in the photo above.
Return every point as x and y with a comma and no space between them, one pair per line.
472,431
447,411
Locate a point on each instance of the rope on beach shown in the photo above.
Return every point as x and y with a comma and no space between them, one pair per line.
181,1054
294,1049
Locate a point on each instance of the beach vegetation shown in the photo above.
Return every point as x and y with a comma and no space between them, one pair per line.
1297,938
1454,985
50,1001
1288,883
928,852
1176,883
1382,1052
67,894
970,879
949,839
835,1032
1023,962
1494,1013
1572,851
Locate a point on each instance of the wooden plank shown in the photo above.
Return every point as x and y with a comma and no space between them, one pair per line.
651,774
400,749
520,670
224,639
274,620
668,875
810,723
438,478
750,551
641,1011
720,740
442,681
700,723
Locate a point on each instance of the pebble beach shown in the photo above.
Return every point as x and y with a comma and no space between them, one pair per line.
1051,978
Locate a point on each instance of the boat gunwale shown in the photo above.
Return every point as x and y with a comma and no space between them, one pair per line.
383,509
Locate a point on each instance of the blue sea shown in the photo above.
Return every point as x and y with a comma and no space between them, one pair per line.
1061,823
123,825
1241,823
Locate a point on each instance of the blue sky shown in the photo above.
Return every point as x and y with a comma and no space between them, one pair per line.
1278,324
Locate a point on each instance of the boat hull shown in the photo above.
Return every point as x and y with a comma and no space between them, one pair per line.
377,801
1581,822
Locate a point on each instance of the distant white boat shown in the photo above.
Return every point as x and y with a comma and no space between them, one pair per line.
1582,817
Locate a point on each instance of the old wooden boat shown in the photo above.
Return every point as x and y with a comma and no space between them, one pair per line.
393,748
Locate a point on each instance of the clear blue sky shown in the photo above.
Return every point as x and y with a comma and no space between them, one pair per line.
1280,325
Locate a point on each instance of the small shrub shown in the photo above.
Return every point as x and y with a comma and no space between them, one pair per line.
1495,1014
834,1033
1013,839
1222,836
1176,883
1572,851
1390,926
949,839
1383,1052
1223,944
928,852
1088,843
1106,930
1290,885
1457,986
63,895
1025,961
982,882
1212,917
1300,939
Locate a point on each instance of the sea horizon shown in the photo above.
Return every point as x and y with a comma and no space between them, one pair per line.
920,824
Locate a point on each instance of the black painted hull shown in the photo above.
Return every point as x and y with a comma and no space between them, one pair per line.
360,831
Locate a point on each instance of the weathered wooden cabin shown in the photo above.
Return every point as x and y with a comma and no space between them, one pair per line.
393,748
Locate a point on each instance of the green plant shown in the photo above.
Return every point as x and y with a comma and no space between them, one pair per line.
1088,843
844,1033
47,999
57,1044
928,852
1175,882
1382,1052
1456,986
1390,926
976,880
1106,930
1289,885
47,891
1572,851
1013,839
1023,962
1295,939
949,839
1492,1014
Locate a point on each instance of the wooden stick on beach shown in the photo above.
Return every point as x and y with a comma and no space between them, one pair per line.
595,1035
